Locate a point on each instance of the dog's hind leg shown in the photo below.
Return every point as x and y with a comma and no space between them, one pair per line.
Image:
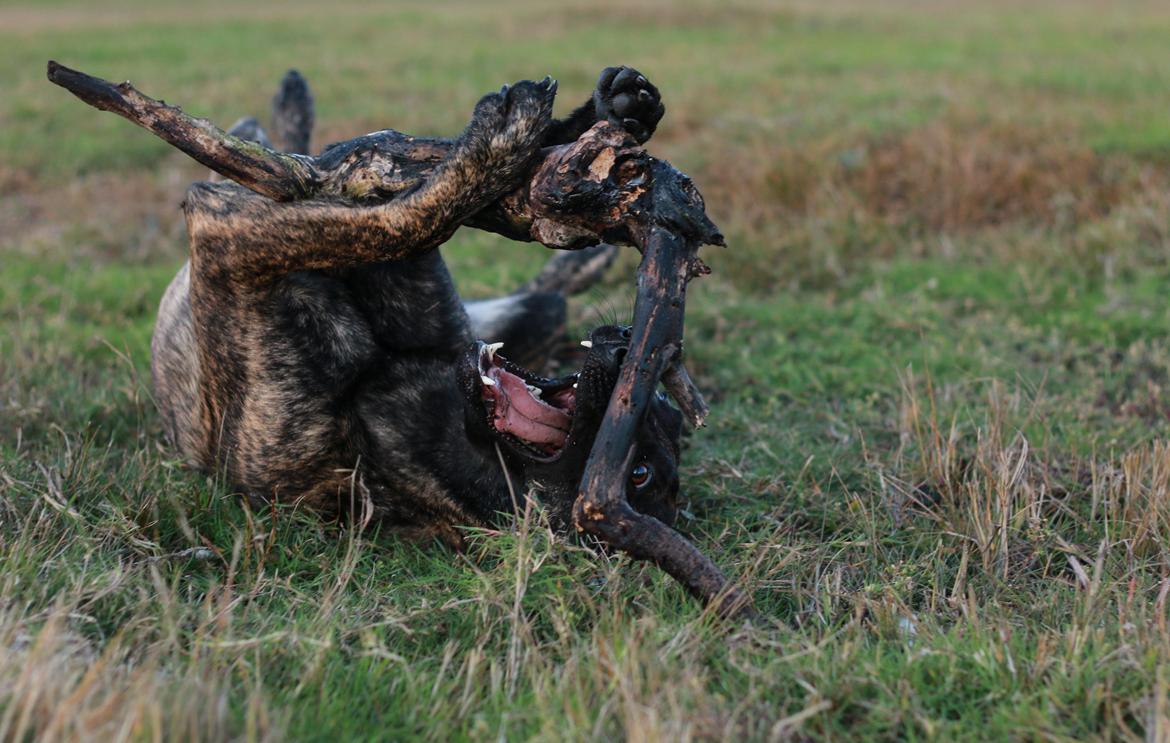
571,272
346,215
531,322
176,371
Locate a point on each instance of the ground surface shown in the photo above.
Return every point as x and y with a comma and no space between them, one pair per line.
938,349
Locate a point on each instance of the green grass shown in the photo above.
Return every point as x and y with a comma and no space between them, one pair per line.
938,352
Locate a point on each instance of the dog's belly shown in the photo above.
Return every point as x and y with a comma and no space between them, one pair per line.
320,382
175,369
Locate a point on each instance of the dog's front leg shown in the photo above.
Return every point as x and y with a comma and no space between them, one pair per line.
252,238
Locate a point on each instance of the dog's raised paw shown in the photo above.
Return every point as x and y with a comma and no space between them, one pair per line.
508,127
529,108
625,98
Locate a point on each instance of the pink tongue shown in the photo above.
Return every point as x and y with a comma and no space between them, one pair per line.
520,414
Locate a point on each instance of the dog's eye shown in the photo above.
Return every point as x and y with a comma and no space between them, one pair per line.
641,475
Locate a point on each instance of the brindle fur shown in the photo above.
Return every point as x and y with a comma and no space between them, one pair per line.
308,349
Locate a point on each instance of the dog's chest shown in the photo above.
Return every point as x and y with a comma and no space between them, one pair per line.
338,321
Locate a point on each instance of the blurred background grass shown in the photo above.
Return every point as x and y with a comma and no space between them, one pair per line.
937,349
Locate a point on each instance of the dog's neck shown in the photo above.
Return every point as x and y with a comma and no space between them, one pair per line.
484,479
490,480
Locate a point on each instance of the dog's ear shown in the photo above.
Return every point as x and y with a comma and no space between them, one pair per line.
666,420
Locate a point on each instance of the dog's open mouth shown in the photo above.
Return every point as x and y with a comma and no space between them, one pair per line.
533,413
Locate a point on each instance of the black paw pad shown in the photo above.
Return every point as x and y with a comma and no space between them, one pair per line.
625,98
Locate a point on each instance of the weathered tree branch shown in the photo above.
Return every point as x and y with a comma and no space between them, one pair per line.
601,508
603,185
266,171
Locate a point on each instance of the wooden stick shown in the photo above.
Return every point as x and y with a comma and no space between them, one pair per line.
276,175
601,508
367,170
602,184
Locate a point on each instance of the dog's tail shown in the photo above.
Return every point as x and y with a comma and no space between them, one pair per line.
293,114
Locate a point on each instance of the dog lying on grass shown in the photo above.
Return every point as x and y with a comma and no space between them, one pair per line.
319,354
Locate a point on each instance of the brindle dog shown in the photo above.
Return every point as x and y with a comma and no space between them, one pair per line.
319,354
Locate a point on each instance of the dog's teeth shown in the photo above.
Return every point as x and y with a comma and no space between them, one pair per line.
534,390
574,385
587,344
487,380
492,348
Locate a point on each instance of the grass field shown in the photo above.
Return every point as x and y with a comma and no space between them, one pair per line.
938,351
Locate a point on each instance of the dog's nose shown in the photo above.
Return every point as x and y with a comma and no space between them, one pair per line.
608,345
611,334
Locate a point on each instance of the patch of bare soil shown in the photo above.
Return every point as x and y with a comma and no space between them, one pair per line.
103,216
